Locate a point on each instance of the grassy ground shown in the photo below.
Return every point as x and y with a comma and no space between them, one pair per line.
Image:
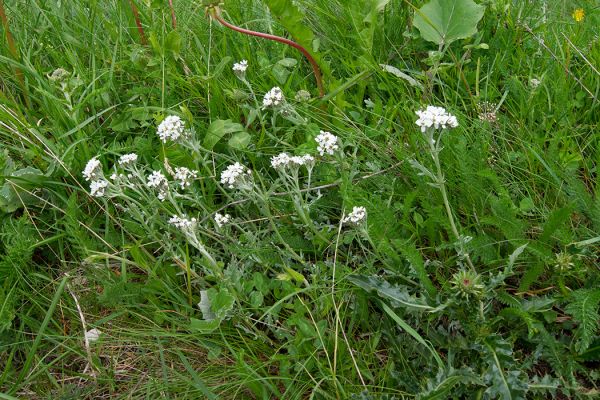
305,306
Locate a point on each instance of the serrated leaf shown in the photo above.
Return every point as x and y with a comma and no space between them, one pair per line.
445,21
584,309
397,294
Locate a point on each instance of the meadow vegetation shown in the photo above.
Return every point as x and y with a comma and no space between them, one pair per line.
184,215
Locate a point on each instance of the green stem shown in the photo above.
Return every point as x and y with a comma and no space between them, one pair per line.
435,153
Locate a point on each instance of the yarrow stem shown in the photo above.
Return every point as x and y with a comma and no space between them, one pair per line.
215,13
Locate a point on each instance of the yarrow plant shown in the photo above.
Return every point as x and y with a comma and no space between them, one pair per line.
222,220
240,68
327,143
436,118
273,98
128,159
356,217
433,122
236,176
284,160
92,170
156,180
172,128
98,188
183,222
184,176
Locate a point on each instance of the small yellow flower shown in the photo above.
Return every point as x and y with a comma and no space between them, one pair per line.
578,15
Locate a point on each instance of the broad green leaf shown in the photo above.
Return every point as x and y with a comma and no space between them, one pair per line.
444,21
240,140
15,193
217,130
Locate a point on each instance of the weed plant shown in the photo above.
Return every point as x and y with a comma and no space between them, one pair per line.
184,216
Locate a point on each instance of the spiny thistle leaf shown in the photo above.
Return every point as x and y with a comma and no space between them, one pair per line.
584,309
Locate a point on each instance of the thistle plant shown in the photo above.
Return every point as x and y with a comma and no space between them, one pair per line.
434,122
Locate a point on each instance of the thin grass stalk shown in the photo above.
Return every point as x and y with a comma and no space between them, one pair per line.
138,23
12,48
215,13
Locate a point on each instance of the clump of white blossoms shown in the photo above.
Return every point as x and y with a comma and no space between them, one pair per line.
128,159
156,180
183,223
222,220
327,143
435,117
284,160
98,188
171,128
356,217
92,170
235,176
184,176
273,98
240,68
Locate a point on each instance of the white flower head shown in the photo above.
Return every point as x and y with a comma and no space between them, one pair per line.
356,217
222,220
93,335
171,128
273,98
92,170
280,161
327,143
128,159
306,160
534,83
240,68
436,118
236,176
156,180
183,222
98,188
184,176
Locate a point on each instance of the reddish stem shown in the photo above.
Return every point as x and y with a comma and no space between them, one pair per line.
138,22
12,47
317,72
173,17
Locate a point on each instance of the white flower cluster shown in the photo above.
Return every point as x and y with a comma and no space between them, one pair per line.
240,68
284,160
128,159
172,128
92,170
435,117
222,220
98,188
327,143
183,222
184,176
93,174
356,217
156,180
273,98
235,175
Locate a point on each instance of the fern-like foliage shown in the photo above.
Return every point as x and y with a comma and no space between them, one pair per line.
584,310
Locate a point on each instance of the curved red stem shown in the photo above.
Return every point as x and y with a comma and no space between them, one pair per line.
173,17
317,72
138,22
